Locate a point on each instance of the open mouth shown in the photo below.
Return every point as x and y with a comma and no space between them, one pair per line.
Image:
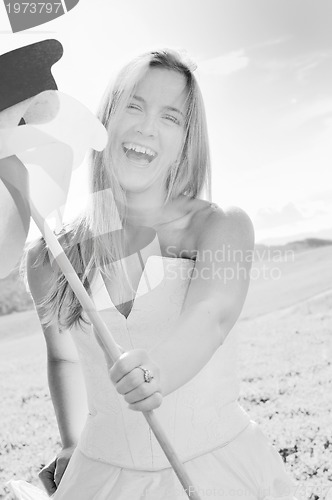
138,154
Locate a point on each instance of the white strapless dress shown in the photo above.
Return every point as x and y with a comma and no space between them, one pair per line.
225,453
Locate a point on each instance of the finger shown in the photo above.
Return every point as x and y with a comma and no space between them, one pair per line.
48,483
126,363
148,404
61,466
46,476
130,381
141,392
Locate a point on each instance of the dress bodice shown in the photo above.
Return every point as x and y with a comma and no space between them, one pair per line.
199,416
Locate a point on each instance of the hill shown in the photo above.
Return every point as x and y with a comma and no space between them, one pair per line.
296,246
281,279
13,295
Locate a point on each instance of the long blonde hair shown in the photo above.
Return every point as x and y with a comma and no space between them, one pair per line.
95,238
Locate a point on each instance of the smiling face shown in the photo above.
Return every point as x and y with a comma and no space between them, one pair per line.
148,137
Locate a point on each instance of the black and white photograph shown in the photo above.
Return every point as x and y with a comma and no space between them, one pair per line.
166,250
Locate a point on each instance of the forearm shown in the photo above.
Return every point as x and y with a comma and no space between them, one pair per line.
68,394
190,345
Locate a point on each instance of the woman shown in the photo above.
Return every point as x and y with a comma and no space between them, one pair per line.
148,251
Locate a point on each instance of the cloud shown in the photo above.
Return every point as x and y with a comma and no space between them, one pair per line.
285,223
226,64
271,217
319,109
298,67
293,215
236,60
321,197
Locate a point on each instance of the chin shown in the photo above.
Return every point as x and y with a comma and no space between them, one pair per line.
132,186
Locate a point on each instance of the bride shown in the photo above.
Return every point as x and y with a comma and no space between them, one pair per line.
147,249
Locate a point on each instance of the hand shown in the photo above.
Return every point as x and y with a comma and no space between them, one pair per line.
51,474
129,381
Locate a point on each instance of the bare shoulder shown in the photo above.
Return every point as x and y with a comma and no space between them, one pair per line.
212,224
194,208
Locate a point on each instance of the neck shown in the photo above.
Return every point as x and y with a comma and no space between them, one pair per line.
146,208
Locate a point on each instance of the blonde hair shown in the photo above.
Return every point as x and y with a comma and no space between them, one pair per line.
95,238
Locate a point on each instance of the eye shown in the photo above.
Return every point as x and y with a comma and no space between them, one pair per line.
172,119
134,106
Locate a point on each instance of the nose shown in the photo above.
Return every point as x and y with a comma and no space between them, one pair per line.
147,126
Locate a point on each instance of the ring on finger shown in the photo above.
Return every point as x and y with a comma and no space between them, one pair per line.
147,374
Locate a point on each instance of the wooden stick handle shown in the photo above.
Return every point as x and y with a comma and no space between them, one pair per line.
110,345
173,458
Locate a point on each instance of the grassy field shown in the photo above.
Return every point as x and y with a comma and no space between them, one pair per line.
285,365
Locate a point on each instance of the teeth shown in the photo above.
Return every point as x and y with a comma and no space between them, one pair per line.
139,149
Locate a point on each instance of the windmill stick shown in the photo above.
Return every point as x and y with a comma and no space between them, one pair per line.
110,345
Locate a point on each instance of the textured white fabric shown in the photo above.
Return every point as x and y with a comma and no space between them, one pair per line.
199,416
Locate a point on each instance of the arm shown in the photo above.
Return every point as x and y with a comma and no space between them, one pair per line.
213,304
65,377
214,300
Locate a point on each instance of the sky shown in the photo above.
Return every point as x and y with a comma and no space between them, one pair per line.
265,71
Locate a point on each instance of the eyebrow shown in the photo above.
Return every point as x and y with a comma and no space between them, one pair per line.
169,108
